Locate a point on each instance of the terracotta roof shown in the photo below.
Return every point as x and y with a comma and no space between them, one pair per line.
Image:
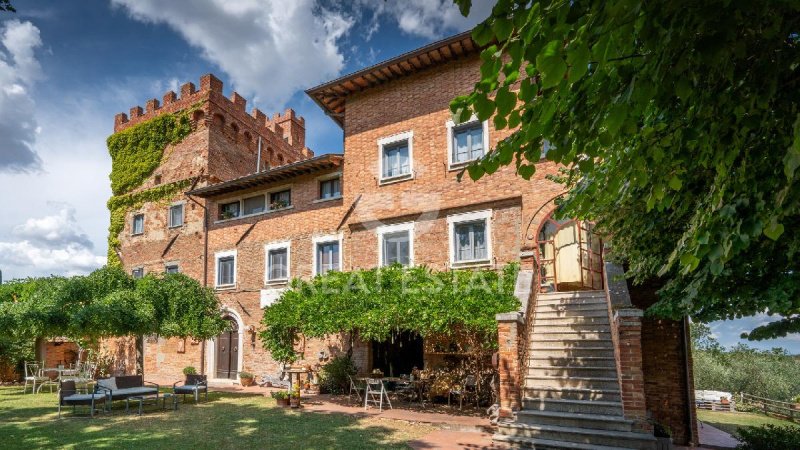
280,173
331,95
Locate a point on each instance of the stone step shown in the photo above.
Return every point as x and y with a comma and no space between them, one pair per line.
623,439
569,295
606,362
556,312
572,371
570,320
538,443
535,351
579,420
573,406
570,334
568,343
562,381
532,391
571,301
546,327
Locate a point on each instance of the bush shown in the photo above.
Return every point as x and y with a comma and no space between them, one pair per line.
189,370
13,354
334,375
279,395
768,437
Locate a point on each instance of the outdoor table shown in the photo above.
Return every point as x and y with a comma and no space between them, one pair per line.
172,397
419,385
61,371
296,373
139,399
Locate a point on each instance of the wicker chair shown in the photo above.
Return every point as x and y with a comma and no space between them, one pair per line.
70,395
193,385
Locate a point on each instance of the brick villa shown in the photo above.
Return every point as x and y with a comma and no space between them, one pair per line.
579,363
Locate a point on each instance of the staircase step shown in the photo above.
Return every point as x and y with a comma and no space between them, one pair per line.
556,313
559,352
538,443
577,382
571,306
607,395
572,294
571,320
570,343
556,333
579,420
573,406
546,327
623,439
572,361
567,371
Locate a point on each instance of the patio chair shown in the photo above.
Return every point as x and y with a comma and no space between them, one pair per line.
70,395
34,375
193,385
468,389
376,393
358,387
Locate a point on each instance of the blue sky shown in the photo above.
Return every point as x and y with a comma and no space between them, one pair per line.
67,67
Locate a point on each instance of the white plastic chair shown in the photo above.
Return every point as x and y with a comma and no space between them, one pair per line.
358,387
34,376
375,393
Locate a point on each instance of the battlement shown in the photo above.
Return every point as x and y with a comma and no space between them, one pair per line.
289,126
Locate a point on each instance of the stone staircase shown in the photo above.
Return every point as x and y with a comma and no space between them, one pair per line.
571,395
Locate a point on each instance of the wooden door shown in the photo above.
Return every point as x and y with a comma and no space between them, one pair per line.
228,351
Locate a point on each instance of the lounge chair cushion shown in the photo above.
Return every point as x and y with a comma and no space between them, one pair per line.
189,389
78,399
133,391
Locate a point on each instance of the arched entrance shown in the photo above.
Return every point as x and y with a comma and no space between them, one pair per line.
570,256
227,351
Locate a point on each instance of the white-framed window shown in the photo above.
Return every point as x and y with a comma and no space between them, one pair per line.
175,218
172,267
396,244
396,157
277,262
225,263
137,273
137,225
470,238
330,188
327,253
466,141
280,199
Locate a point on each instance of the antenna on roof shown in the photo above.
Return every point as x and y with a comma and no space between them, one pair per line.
258,159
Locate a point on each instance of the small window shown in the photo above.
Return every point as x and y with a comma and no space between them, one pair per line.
176,215
546,147
280,200
171,268
396,161
470,241
226,270
278,264
327,257
330,188
138,224
397,248
253,205
137,273
467,142
229,210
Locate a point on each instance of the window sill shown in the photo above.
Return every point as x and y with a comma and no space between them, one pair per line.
470,264
253,215
273,283
225,287
137,234
323,200
172,227
454,167
397,179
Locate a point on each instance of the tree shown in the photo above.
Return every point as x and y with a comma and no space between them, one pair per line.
678,127
5,5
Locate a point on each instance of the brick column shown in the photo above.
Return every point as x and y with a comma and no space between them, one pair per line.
628,331
509,328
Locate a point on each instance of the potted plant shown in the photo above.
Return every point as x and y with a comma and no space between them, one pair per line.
294,397
663,436
377,373
281,398
189,370
247,378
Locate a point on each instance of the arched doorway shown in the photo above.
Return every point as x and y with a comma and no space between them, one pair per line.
227,351
570,255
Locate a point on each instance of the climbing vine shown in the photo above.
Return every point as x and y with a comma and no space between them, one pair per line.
378,302
135,153
119,206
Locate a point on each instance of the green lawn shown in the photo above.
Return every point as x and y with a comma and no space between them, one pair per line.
225,421
731,421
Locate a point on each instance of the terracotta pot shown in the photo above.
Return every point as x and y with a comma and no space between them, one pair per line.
294,402
247,381
282,402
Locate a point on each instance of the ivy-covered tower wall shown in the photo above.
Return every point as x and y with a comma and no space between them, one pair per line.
159,152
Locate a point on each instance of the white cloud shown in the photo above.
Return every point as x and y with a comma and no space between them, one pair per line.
19,69
425,18
53,244
268,48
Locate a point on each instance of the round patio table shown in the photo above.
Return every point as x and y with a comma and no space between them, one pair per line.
295,373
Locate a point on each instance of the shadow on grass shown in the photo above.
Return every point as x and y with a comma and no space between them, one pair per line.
225,421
